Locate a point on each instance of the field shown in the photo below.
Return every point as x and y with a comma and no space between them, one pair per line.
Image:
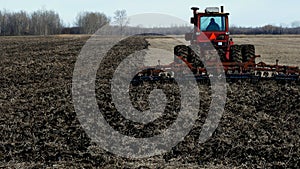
284,48
270,47
260,127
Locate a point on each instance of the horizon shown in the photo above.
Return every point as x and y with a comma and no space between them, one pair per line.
245,14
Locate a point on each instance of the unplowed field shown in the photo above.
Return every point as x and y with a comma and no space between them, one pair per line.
39,127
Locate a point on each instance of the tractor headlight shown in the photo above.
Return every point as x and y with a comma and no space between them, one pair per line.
220,43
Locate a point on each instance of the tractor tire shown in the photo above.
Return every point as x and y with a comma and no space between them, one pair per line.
195,59
248,51
180,50
236,53
188,54
222,55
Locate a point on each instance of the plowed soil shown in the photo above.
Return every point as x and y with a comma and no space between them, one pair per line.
260,127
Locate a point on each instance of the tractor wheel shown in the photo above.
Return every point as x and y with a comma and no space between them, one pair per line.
180,50
222,55
195,59
187,53
236,53
248,51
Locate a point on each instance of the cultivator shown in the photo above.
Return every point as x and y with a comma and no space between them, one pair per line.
231,71
213,54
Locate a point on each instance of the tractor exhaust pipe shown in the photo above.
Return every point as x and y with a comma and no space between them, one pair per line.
195,9
194,18
222,9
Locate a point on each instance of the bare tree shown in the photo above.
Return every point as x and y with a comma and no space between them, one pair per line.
45,22
20,21
90,22
121,20
4,22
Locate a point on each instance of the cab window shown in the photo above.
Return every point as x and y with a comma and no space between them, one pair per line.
212,23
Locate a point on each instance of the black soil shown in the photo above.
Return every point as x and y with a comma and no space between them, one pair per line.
39,127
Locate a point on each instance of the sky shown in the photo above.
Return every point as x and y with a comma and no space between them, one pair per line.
246,13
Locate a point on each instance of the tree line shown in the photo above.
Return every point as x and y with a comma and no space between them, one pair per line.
48,22
267,29
41,22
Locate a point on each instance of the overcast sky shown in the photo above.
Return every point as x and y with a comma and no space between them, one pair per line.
242,12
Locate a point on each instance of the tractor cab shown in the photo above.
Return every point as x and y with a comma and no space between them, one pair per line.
211,25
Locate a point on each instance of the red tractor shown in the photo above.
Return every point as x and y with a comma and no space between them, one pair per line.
212,26
210,37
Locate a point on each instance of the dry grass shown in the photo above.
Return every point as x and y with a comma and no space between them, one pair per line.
285,48
161,48
270,47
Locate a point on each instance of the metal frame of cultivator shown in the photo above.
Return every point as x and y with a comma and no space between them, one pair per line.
261,70
232,71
